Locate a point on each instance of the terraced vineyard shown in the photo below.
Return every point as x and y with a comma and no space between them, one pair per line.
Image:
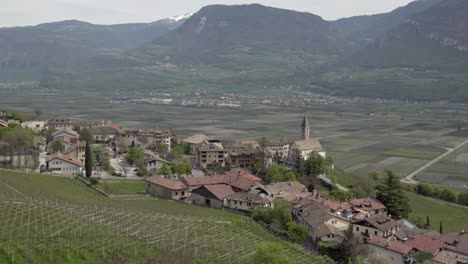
52,224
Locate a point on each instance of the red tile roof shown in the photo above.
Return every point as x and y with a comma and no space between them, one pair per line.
424,243
205,180
236,178
244,174
174,185
75,146
327,229
388,244
459,240
221,191
367,204
65,158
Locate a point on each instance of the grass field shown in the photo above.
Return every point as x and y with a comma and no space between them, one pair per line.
123,187
454,218
60,220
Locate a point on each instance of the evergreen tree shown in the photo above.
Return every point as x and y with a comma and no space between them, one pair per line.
88,161
57,146
427,222
441,229
392,195
86,135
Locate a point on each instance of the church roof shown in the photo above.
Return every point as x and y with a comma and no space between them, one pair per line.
308,144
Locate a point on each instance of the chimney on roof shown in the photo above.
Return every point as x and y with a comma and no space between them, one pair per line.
388,242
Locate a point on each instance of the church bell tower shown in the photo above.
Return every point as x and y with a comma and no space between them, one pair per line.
305,128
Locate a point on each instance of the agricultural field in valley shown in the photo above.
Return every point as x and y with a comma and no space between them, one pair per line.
451,170
359,137
60,220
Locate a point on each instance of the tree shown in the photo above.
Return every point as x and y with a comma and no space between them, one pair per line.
142,169
86,135
341,195
463,198
122,144
441,228
427,189
177,152
352,248
279,173
392,195
263,215
260,162
76,128
56,146
449,195
422,257
270,253
181,168
135,154
165,170
19,138
281,213
263,142
160,148
316,164
428,224
88,161
48,134
296,232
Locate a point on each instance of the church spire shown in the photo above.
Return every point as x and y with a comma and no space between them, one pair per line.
305,128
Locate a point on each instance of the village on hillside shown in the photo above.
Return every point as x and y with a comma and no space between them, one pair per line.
263,178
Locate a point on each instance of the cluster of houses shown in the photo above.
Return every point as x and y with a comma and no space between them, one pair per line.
236,189
397,241
71,160
211,153
328,220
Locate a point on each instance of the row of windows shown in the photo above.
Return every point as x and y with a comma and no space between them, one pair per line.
65,169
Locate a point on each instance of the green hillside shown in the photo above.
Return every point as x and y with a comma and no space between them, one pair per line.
44,216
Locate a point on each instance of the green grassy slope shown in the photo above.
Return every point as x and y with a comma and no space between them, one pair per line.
55,219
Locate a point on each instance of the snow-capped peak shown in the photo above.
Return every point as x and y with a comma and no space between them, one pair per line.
178,18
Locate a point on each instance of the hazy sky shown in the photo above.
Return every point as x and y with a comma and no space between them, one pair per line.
31,12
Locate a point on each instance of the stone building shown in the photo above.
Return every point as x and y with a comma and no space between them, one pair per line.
211,154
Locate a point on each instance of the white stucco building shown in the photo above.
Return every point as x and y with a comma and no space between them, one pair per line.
63,164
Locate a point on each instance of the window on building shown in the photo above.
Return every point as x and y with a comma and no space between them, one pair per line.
357,228
375,232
